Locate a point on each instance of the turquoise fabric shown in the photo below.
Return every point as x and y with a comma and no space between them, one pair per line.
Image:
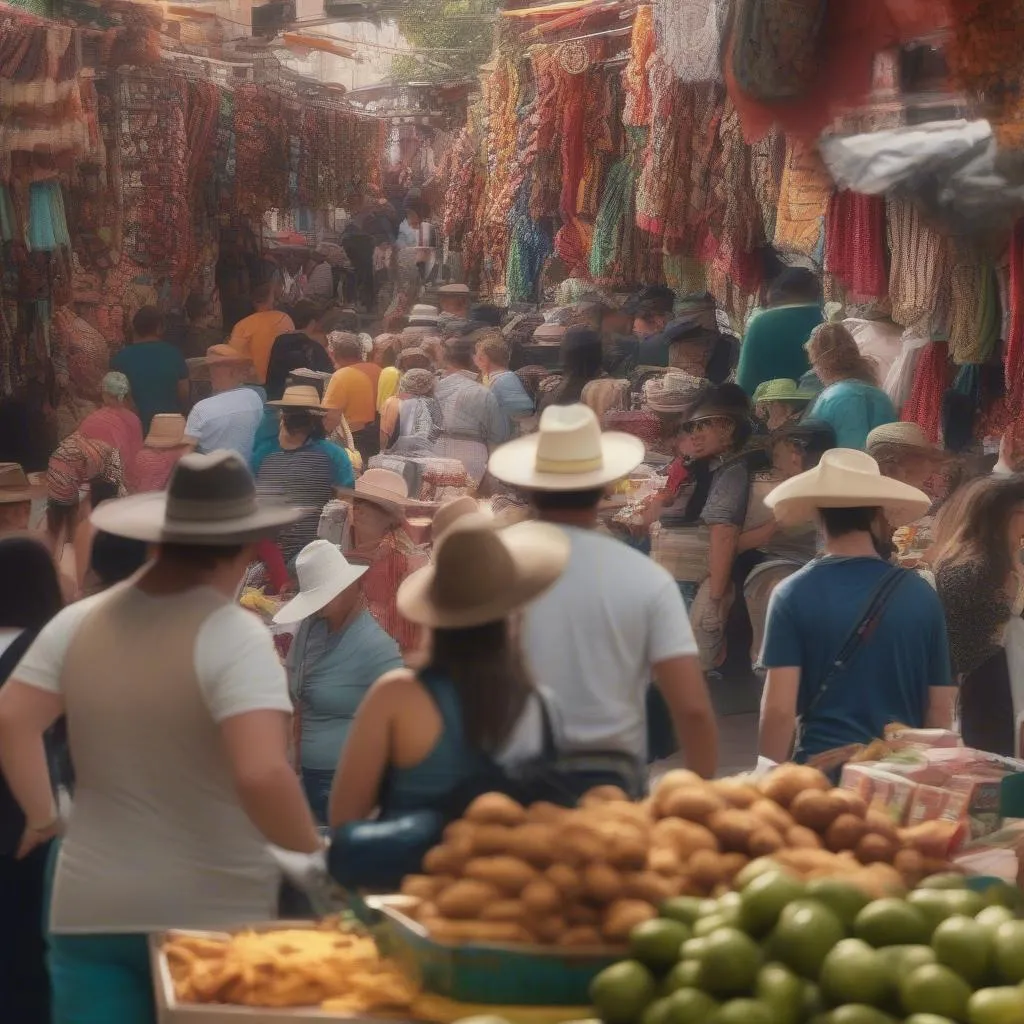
853,408
100,979
773,346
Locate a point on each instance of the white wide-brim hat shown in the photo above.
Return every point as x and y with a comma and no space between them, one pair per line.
480,574
568,453
846,478
323,572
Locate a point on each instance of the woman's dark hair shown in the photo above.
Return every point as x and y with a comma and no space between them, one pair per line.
582,362
490,677
838,522
566,501
100,490
61,516
298,421
981,535
31,594
794,285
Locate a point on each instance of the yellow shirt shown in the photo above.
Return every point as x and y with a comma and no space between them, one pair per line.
255,335
350,391
387,385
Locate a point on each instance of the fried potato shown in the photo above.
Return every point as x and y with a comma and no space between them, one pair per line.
495,809
509,874
505,910
695,803
600,795
685,837
541,897
534,843
772,814
735,792
580,937
733,829
649,886
479,931
544,813
782,784
565,879
466,898
424,887
489,840
623,916
602,882
445,859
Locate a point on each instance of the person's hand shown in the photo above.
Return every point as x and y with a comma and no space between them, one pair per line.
36,835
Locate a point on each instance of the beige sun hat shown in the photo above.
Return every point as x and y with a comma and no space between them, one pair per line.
453,289
675,392
549,333
568,453
211,499
846,478
323,572
454,510
510,568
902,435
167,430
15,485
422,315
383,488
304,397
225,355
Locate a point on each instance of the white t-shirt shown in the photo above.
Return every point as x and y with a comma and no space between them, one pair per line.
593,638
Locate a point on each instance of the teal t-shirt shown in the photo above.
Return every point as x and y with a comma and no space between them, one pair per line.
773,346
153,369
853,408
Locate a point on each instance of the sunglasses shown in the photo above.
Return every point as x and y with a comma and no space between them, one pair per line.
700,426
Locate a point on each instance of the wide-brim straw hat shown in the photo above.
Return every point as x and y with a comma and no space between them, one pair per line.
384,488
323,573
781,390
454,510
568,453
302,398
225,355
211,499
675,392
907,436
845,478
423,316
167,430
482,575
15,485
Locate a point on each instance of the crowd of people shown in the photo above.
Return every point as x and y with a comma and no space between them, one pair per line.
492,540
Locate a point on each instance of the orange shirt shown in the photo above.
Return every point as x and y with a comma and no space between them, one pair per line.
254,336
350,391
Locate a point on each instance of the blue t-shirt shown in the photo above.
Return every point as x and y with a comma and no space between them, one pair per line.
153,369
853,408
810,617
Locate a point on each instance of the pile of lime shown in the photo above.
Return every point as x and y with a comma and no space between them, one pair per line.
782,951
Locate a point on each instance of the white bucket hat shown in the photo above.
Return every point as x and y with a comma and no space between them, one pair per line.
323,572
568,453
846,478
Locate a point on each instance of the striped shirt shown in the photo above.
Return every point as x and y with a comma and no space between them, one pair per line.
305,477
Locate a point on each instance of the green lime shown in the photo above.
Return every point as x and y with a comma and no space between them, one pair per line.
656,944
704,926
966,901
993,916
806,931
857,1013
682,908
891,922
656,1013
933,904
689,1006
684,975
729,963
927,1018
744,1011
934,988
853,972
783,991
813,1003
844,900
1009,952
622,992
764,899
944,880
693,949
901,960
752,870
996,1006
966,946
1002,894
729,901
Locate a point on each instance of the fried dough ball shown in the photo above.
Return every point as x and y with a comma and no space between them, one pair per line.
466,899
509,874
495,809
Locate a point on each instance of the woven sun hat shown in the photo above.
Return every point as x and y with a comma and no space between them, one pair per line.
225,355
674,392
781,390
902,435
167,430
549,333
323,573
381,487
211,499
453,289
302,397
15,485
423,316
845,478
568,453
510,568
452,511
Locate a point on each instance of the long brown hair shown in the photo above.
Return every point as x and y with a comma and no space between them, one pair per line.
490,677
835,356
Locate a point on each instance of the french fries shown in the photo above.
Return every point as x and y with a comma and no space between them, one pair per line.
338,971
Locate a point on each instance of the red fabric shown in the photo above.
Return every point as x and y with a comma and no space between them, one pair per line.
152,467
932,378
1013,360
118,427
270,555
855,244
678,474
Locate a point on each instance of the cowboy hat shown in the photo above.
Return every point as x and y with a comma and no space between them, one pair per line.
568,453
782,389
302,397
509,569
423,316
323,572
846,478
674,392
211,499
383,488
15,486
167,430
902,435
453,511
225,355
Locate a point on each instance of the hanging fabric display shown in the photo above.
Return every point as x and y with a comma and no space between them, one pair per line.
690,37
636,112
975,314
918,269
804,196
932,379
1014,349
855,244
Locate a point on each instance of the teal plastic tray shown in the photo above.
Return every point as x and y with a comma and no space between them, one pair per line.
486,973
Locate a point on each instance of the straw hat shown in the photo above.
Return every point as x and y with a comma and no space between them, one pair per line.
382,487
568,453
509,569
903,435
453,289
846,478
167,430
300,396
211,499
423,316
549,333
452,511
781,390
225,355
674,392
323,572
15,485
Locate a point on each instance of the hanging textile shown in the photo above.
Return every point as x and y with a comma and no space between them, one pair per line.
855,244
804,196
47,226
932,379
636,112
767,162
529,247
985,51
690,37
1014,349
974,323
262,118
919,268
